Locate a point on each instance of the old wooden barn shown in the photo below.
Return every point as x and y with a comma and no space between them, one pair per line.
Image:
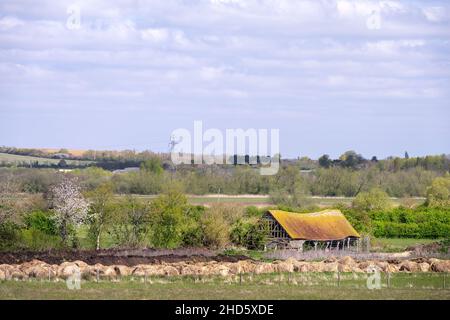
328,229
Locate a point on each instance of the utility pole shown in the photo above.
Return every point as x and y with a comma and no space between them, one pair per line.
172,143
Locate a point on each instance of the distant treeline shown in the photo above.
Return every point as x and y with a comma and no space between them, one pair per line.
334,181
112,160
105,157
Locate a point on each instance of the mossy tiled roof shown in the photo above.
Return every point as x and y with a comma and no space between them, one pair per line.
324,225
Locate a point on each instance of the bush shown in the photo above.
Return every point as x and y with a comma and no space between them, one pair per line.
249,233
168,215
215,228
192,235
9,236
253,211
421,222
360,220
41,221
129,225
438,194
375,199
36,239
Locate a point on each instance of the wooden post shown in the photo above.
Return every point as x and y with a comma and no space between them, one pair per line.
445,275
97,275
145,276
240,278
339,279
388,279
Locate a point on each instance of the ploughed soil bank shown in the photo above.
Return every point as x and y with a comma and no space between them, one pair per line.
127,257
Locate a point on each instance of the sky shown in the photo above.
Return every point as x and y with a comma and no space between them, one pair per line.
369,76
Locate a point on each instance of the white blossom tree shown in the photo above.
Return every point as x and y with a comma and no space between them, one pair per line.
69,205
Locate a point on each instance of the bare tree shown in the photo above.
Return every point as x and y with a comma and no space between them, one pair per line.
69,205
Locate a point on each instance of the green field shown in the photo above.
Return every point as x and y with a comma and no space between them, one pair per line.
261,200
18,159
278,286
246,200
397,244
243,200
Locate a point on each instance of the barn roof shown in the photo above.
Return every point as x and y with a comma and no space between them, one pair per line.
323,225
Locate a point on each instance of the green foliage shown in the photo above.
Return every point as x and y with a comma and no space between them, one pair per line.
375,199
249,232
215,228
420,222
292,190
41,221
35,239
130,223
92,177
9,235
360,220
325,161
100,210
399,177
142,182
253,211
167,219
39,232
351,159
153,165
438,194
192,234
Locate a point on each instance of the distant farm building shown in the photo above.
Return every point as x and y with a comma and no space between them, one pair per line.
327,230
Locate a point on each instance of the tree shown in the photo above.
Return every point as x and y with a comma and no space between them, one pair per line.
325,161
406,155
167,214
438,194
351,159
216,230
375,199
99,211
290,189
69,206
153,165
130,222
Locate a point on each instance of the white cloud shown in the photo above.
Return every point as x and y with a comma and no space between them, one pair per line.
155,34
10,22
435,14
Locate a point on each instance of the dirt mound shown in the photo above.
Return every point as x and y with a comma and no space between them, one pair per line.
439,246
118,257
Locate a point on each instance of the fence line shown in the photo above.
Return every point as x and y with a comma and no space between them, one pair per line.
388,280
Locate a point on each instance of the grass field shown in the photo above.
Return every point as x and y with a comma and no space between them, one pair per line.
18,159
296,286
264,200
397,244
